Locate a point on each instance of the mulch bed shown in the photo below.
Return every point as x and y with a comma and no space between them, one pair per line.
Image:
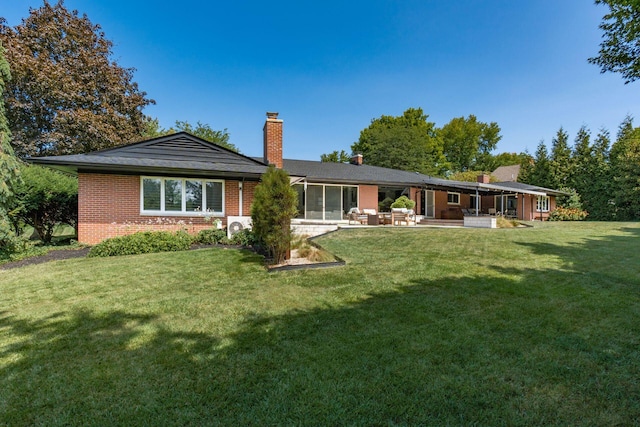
54,255
60,254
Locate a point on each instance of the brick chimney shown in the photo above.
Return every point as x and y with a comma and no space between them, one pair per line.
484,178
356,159
273,140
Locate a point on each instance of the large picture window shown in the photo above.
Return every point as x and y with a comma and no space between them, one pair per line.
178,196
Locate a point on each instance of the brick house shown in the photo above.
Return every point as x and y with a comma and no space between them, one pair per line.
180,181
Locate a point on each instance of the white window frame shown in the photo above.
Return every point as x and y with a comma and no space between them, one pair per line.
451,193
543,203
183,211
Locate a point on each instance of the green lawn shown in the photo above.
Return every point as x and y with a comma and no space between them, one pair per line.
533,326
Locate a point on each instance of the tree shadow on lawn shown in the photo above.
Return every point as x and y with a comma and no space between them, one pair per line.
441,352
612,261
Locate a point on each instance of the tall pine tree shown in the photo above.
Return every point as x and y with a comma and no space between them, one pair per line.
600,206
538,172
560,165
625,167
9,167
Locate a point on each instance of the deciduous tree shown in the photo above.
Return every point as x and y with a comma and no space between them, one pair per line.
201,130
620,47
67,94
507,159
204,131
336,157
467,143
406,142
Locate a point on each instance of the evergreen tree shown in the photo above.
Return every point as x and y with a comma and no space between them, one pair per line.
582,159
560,165
625,168
9,167
598,199
538,173
527,165
274,204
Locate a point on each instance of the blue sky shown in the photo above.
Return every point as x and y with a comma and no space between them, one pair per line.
331,67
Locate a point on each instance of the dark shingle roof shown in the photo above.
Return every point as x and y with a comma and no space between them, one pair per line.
187,155
177,153
347,173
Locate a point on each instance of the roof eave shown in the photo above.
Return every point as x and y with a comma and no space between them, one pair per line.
88,167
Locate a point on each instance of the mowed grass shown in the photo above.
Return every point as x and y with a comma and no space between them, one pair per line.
534,326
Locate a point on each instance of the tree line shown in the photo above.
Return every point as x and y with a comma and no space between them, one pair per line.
605,175
413,143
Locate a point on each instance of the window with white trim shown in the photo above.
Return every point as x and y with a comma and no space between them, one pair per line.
543,204
453,198
181,196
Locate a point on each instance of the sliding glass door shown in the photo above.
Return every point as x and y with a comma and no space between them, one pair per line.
325,202
315,202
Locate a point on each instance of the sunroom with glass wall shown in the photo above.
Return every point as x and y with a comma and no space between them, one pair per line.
325,202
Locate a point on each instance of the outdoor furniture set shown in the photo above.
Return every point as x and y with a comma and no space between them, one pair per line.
397,216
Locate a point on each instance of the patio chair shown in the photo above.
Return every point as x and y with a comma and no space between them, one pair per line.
357,217
400,215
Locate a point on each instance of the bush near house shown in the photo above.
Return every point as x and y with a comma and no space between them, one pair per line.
210,236
385,205
568,214
403,202
45,199
146,242
569,207
142,243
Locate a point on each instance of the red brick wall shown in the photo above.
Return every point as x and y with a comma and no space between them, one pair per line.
248,189
368,197
109,206
443,210
231,198
273,140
